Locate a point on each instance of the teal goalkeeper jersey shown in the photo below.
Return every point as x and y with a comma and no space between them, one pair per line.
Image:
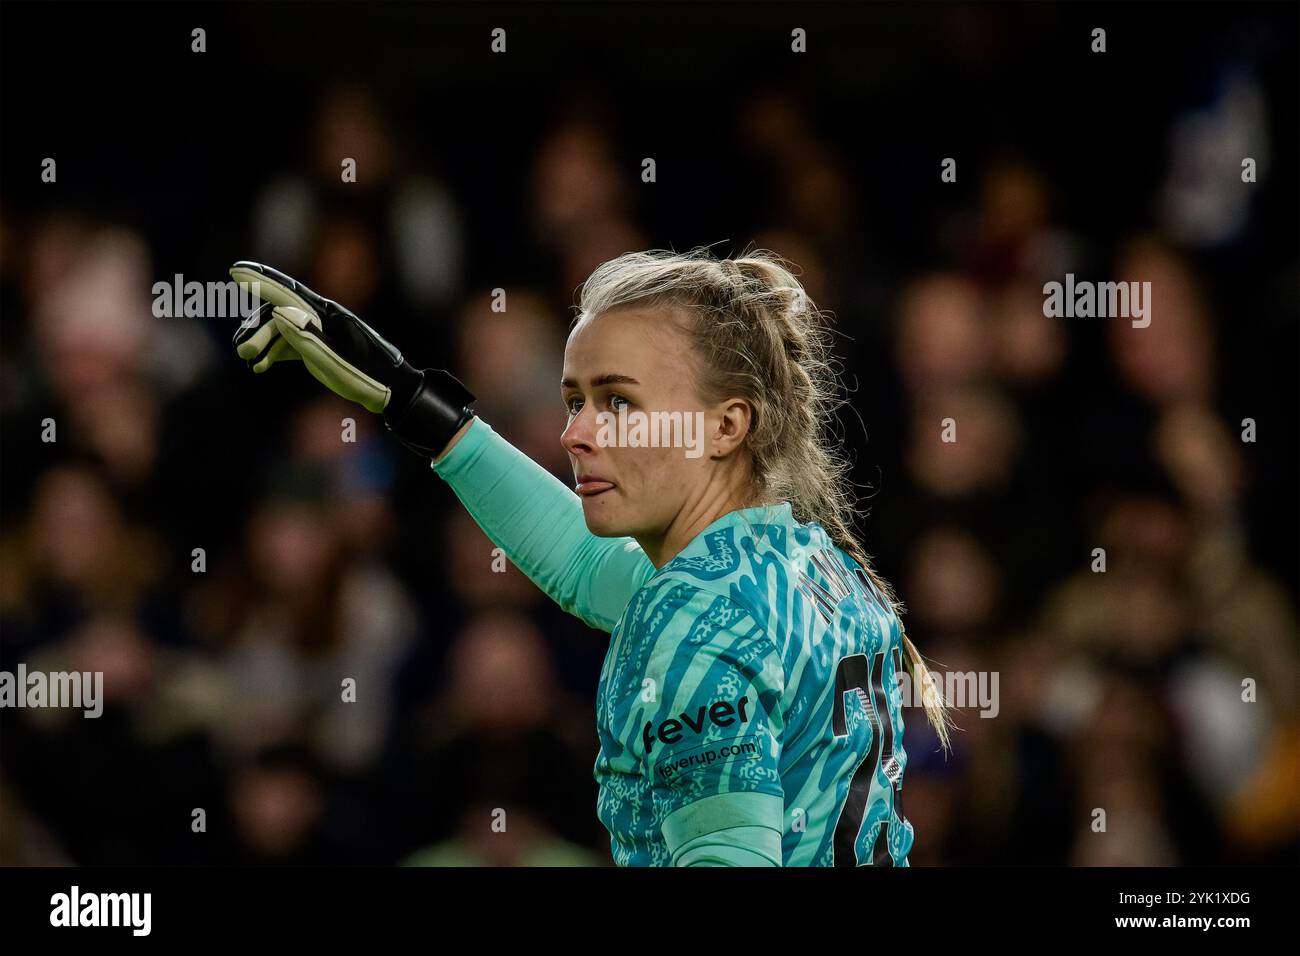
749,691
756,671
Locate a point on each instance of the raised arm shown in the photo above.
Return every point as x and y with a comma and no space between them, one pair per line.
537,521
525,510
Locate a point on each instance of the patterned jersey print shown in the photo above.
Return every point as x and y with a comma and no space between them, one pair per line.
759,660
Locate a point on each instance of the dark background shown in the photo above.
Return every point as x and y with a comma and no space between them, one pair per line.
522,171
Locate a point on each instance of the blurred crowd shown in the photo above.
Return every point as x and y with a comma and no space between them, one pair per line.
208,540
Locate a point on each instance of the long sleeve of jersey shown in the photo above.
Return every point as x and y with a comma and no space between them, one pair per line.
537,521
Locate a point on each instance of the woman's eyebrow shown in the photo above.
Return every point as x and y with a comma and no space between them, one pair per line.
609,378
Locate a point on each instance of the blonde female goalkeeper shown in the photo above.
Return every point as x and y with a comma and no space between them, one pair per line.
749,711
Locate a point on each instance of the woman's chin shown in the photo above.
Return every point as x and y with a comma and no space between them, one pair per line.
600,522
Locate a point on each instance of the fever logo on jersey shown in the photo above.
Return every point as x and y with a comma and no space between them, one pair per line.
720,714
691,731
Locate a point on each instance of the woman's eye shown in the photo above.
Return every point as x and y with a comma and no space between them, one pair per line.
574,404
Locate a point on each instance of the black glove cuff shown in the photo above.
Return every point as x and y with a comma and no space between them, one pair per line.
435,413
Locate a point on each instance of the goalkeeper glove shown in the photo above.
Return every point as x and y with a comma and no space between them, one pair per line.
424,409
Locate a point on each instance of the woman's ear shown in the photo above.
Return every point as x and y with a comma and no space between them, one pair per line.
735,415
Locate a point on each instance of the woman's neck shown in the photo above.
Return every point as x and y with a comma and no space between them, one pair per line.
688,524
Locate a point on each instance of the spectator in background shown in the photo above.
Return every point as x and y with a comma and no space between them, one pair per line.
500,750
390,227
307,641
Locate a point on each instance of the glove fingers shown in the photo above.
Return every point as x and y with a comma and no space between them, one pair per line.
299,320
273,287
280,351
301,330
256,340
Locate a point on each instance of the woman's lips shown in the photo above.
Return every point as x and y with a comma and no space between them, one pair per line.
589,488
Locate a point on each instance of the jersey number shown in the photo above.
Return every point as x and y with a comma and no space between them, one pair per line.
854,675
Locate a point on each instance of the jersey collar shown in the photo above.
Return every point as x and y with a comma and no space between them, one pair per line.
757,522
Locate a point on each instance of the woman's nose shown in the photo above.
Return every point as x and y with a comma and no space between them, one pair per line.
579,434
